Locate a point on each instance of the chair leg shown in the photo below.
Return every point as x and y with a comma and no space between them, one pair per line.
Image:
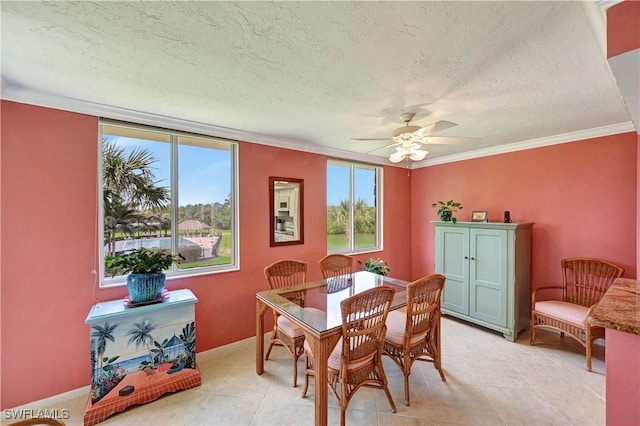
385,385
588,347
406,372
306,376
407,402
269,350
438,366
533,334
295,372
391,404
273,336
437,360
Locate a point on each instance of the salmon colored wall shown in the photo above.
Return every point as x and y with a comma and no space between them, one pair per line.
623,349
48,223
581,196
624,35
622,378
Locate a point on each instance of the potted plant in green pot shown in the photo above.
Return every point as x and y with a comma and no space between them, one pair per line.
447,209
377,266
146,278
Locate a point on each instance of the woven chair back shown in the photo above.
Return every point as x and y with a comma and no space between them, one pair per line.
286,273
585,280
423,303
333,265
363,323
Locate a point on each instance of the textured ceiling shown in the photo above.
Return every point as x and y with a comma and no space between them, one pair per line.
316,74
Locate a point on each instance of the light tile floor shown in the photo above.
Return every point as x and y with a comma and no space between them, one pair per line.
490,381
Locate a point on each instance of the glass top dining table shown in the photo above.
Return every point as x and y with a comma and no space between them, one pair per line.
322,326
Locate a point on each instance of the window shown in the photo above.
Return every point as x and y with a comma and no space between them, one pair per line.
167,190
353,207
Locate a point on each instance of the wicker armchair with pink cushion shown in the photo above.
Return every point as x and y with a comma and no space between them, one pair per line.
356,360
282,274
415,335
333,265
584,282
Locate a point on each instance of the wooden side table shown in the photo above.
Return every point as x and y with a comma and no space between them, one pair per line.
140,353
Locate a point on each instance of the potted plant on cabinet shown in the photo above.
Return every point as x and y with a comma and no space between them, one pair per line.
377,266
447,209
146,278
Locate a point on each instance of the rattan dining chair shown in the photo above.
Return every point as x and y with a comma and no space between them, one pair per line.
282,274
356,360
584,282
333,265
415,335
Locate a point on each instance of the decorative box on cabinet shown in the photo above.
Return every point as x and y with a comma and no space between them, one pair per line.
140,353
487,266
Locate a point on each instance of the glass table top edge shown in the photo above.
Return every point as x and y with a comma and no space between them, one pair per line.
321,311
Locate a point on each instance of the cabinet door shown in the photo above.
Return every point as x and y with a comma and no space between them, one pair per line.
452,260
488,275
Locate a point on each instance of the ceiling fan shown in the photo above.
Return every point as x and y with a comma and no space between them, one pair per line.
409,140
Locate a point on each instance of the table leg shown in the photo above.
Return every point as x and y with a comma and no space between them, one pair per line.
321,349
261,308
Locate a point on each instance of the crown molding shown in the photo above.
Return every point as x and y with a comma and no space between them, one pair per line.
12,93
606,4
613,129
48,100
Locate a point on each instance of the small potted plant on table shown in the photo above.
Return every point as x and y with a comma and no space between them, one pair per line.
377,266
146,278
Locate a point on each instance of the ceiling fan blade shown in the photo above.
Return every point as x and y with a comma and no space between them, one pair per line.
418,154
397,156
449,140
370,139
436,127
382,147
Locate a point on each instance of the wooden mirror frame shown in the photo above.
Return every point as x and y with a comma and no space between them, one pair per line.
280,237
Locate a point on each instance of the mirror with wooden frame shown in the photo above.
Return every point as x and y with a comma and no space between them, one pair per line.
286,211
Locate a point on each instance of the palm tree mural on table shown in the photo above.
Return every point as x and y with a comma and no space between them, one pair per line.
129,188
158,356
188,337
110,375
141,335
101,334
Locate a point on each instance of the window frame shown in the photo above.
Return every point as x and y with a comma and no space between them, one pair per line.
174,135
379,178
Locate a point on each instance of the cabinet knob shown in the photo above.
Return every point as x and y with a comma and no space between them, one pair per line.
473,258
466,257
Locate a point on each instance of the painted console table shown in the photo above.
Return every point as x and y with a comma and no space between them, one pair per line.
140,353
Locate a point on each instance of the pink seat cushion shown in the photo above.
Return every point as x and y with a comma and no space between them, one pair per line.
289,328
396,321
294,330
315,312
565,311
335,357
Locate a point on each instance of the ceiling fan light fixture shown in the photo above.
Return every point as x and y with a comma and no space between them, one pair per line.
397,156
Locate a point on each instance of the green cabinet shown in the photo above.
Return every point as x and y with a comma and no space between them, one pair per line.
487,266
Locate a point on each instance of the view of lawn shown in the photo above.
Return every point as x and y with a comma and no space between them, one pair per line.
341,241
